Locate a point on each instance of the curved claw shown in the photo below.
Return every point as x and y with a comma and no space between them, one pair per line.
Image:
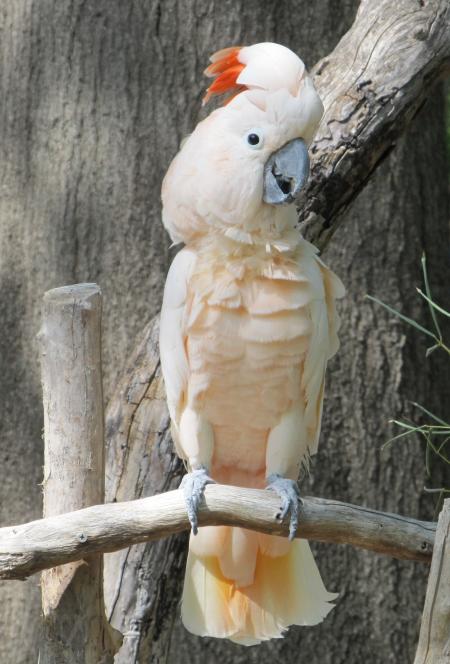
289,493
193,486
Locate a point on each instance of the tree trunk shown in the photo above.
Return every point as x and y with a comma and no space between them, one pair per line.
96,97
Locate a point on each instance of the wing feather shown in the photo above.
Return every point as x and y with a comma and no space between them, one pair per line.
323,345
174,363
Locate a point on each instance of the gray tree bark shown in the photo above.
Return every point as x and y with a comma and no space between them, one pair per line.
96,97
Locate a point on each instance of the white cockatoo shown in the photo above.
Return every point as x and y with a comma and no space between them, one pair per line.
248,324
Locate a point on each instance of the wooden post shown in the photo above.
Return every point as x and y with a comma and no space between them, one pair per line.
434,639
75,630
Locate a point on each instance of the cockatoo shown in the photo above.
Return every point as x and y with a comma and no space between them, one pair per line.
248,324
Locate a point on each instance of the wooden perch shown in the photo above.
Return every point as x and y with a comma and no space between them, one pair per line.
72,594
434,640
34,546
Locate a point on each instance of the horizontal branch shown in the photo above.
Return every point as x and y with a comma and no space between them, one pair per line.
38,545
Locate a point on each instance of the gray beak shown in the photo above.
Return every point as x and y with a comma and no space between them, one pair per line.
285,173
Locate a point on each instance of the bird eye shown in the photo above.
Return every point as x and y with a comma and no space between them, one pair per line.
255,138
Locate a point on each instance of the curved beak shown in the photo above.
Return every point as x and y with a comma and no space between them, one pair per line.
285,173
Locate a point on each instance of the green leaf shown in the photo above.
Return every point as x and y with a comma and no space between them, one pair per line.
427,459
410,321
433,305
404,425
443,444
394,438
428,296
430,414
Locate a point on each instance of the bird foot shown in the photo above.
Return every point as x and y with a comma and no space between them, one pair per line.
289,493
193,486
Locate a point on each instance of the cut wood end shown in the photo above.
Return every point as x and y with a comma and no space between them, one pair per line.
81,291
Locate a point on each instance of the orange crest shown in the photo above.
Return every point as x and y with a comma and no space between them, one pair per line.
225,69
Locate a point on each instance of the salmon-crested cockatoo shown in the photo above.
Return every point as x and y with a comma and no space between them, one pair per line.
248,324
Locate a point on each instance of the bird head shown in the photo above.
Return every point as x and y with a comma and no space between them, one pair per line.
248,158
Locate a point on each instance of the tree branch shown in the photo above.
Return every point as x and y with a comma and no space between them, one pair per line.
372,85
32,547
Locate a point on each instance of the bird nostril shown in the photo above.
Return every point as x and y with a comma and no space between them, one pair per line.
284,183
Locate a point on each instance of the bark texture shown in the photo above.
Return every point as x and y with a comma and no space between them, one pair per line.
373,83
141,462
96,97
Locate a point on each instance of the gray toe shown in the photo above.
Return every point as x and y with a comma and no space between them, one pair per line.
289,493
193,485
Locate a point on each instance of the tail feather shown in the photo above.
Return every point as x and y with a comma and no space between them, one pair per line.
238,561
285,590
206,593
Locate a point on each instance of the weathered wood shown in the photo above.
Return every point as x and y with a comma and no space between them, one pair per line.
141,462
434,640
34,546
372,85
75,630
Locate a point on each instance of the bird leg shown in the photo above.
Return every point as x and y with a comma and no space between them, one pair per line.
289,493
193,486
